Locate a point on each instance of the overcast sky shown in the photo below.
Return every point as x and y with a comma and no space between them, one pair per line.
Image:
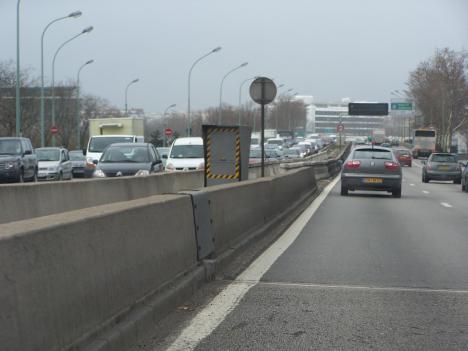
329,49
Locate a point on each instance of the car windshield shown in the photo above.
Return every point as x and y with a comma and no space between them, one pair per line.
255,153
187,151
98,144
10,147
444,158
292,152
125,154
376,154
163,150
77,156
48,154
275,142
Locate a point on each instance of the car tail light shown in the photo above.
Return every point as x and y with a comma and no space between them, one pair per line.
353,164
392,166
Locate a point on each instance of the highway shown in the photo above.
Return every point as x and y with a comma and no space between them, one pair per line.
362,272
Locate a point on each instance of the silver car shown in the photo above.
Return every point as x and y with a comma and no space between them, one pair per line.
371,168
442,166
54,164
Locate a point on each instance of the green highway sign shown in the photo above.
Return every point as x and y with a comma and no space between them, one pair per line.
402,106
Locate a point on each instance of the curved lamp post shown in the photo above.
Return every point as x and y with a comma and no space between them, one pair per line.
75,14
221,89
240,95
126,94
84,31
78,106
189,117
18,105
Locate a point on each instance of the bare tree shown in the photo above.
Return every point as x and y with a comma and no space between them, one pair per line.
439,87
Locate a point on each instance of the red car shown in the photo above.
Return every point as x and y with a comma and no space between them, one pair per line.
404,157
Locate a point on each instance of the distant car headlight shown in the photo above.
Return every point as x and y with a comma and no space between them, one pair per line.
99,174
10,164
170,167
142,172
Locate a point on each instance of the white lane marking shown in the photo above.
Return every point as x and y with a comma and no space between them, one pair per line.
361,287
426,192
411,184
216,311
446,204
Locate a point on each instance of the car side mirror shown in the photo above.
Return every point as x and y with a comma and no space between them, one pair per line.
95,162
164,156
424,162
157,162
28,152
84,152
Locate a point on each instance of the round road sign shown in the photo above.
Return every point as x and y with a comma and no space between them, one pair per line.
340,128
263,90
54,129
168,132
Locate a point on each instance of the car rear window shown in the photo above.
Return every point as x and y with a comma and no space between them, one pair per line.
403,152
444,158
376,154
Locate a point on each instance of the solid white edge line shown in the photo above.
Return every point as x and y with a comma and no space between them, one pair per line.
425,192
445,204
206,321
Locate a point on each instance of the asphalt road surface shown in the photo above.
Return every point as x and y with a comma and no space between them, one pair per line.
362,272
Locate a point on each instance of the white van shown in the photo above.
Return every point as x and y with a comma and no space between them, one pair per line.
186,154
98,143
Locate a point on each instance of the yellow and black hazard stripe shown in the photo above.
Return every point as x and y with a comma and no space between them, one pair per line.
220,176
238,155
210,132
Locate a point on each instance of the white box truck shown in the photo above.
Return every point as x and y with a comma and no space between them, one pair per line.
106,131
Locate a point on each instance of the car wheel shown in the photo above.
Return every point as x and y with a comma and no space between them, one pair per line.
60,177
344,191
424,179
396,193
410,165
457,181
463,187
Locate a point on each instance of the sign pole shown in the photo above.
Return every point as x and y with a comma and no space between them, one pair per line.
262,139
262,91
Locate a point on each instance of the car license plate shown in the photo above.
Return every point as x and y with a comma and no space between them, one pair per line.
373,180
41,174
443,168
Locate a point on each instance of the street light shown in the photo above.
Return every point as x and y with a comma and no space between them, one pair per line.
240,94
84,31
18,105
221,88
78,129
126,94
189,117
165,125
71,15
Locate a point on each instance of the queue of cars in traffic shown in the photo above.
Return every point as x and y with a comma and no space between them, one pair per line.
368,167
280,149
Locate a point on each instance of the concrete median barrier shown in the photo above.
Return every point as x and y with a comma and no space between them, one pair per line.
64,276
240,209
24,201
86,279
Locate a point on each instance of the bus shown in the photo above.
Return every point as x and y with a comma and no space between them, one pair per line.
424,142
